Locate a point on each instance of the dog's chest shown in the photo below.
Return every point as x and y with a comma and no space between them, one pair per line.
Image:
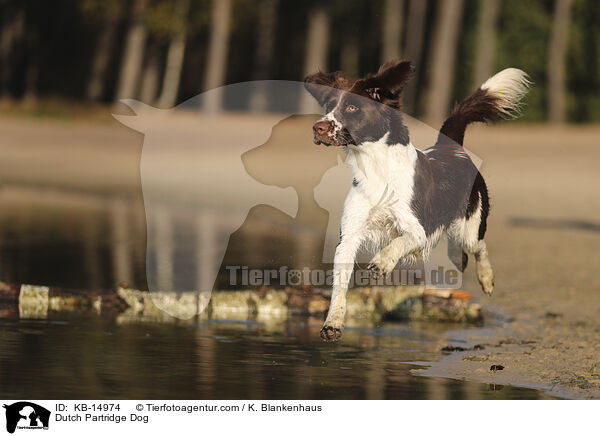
385,181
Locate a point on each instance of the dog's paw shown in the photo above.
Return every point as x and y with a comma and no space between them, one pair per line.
488,287
374,270
330,333
381,265
486,279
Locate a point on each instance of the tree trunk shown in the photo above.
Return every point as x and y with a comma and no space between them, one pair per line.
446,32
486,41
131,63
556,61
265,43
172,77
32,70
6,39
392,30
265,38
13,29
151,75
316,51
216,65
95,87
415,32
349,57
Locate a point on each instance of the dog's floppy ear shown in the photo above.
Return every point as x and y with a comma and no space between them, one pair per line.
323,85
392,77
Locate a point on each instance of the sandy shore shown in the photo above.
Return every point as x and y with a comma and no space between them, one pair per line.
543,235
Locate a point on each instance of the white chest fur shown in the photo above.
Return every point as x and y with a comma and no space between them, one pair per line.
384,178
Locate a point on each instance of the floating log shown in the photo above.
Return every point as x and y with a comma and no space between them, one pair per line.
369,304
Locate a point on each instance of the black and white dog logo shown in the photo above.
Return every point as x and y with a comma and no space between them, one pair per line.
26,415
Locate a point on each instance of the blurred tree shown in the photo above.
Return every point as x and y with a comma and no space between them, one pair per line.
446,31
415,34
13,31
216,67
317,43
522,42
466,51
32,67
176,51
69,48
583,62
345,44
151,71
486,41
392,30
556,61
107,14
133,55
166,22
350,57
266,31
243,45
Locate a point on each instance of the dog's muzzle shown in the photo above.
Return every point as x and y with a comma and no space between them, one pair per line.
323,132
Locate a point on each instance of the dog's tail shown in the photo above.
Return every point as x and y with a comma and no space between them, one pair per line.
499,97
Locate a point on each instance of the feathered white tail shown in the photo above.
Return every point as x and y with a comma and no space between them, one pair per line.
499,97
509,87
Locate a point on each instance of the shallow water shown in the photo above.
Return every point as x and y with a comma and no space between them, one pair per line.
93,357
76,240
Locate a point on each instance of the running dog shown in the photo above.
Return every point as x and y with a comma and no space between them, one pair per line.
403,199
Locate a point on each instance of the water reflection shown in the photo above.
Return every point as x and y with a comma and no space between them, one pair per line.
89,234
71,239
95,357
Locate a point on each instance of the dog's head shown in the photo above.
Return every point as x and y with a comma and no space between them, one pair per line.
360,111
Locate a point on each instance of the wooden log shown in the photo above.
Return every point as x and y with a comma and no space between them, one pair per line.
37,301
9,293
33,301
369,304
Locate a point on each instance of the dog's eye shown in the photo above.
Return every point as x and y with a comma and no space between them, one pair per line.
351,108
330,106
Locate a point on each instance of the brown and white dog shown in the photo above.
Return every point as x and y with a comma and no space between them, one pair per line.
402,199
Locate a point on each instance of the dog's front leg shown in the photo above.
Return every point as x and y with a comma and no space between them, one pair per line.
343,265
353,230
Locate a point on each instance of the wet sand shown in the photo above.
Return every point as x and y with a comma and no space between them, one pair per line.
543,238
543,235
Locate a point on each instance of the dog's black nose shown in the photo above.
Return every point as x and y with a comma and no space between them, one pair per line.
321,127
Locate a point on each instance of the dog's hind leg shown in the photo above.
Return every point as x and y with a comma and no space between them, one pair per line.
475,227
457,255
485,274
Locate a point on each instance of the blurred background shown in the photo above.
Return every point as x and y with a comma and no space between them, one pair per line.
72,211
165,51
72,205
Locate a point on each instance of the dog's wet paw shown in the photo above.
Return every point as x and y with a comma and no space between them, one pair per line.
381,265
330,333
374,270
486,278
488,287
